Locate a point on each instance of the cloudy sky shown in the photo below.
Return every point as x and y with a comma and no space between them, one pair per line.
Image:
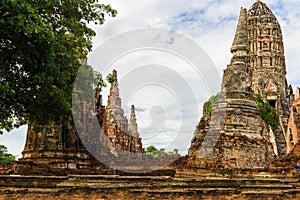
170,56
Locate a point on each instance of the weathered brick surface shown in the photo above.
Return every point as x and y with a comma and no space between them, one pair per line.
67,149
115,187
234,136
293,131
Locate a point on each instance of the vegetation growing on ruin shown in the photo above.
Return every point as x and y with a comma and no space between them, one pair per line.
209,105
268,113
111,78
87,82
99,83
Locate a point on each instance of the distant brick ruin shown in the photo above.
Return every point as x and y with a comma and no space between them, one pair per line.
117,129
293,132
103,142
55,148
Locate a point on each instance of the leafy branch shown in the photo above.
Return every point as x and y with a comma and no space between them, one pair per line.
268,113
209,105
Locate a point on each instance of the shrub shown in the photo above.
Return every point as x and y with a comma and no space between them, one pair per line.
209,105
6,158
268,113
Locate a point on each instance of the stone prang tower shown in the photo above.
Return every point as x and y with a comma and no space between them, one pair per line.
120,134
267,58
132,127
114,110
267,62
233,134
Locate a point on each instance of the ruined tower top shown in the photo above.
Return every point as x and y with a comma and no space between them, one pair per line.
236,78
297,93
114,100
114,111
115,74
259,8
132,128
240,41
267,58
240,45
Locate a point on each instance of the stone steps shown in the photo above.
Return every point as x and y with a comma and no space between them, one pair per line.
271,186
270,192
149,185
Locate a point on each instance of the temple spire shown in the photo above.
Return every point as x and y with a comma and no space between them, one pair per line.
237,75
132,128
114,109
240,45
114,90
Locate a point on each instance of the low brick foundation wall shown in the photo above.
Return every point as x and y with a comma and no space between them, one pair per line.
146,187
6,169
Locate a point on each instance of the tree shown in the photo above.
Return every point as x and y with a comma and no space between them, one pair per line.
152,151
41,45
6,158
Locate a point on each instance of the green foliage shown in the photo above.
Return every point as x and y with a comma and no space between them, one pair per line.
169,153
111,78
98,82
87,82
6,158
42,43
209,105
152,151
268,113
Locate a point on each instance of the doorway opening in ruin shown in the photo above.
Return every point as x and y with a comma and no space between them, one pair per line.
291,138
272,103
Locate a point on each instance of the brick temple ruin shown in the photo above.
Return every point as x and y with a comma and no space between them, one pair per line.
234,154
232,136
101,141
55,148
